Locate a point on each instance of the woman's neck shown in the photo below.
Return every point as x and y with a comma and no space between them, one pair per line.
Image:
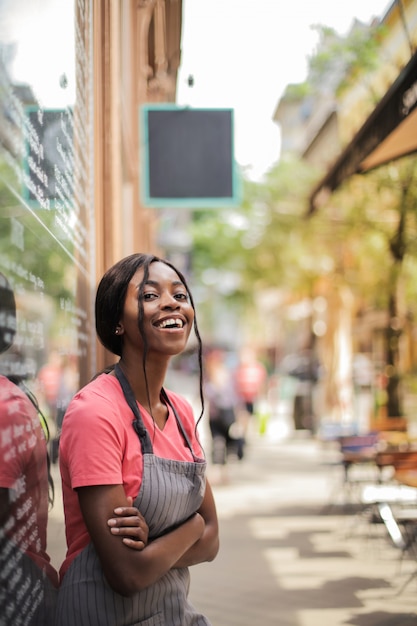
145,389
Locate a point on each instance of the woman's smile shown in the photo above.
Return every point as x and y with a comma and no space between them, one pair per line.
170,323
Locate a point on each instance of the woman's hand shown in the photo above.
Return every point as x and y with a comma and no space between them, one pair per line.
130,525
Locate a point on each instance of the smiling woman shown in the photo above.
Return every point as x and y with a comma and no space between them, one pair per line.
142,447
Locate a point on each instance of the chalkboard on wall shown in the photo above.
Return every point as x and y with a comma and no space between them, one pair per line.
187,157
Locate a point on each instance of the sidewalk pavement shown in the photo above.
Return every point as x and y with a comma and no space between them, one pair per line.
291,555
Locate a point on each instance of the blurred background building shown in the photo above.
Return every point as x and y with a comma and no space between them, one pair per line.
344,125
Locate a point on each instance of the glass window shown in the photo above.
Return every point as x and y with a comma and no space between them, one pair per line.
46,252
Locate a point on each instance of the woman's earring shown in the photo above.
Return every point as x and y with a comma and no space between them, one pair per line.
116,332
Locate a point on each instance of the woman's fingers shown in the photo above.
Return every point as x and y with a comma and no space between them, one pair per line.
134,532
130,525
127,519
133,543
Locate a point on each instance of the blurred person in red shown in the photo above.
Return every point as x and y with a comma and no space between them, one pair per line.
28,582
251,377
48,379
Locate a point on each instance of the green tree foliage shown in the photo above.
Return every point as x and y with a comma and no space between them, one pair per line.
344,60
261,242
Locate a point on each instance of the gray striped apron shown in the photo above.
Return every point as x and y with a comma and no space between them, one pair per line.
171,491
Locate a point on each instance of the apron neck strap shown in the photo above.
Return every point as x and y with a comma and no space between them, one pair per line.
138,424
179,422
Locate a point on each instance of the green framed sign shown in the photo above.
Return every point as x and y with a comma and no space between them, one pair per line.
187,157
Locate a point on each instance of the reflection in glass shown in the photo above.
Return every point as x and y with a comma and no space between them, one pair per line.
28,582
46,247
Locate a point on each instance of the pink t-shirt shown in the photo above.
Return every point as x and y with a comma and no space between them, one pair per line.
99,446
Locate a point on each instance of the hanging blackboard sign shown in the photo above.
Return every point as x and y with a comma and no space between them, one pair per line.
187,157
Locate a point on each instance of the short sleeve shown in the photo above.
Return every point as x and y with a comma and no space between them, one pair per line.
92,441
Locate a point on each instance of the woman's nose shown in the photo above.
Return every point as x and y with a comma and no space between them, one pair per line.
169,302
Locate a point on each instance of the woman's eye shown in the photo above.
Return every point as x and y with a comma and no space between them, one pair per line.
149,296
181,296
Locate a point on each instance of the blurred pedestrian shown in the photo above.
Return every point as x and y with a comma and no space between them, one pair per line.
28,582
223,402
251,378
304,367
125,437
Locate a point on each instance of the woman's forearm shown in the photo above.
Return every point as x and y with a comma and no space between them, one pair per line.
144,568
204,549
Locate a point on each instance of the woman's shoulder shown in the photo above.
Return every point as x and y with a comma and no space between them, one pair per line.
102,395
103,385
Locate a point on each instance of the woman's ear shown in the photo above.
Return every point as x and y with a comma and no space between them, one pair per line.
119,330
